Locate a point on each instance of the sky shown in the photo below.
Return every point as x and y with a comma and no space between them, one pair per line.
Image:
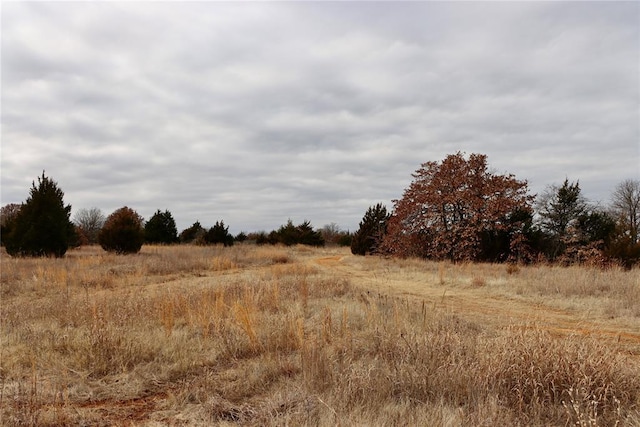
258,112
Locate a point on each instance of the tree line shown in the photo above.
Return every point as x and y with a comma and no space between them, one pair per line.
459,210
41,226
456,209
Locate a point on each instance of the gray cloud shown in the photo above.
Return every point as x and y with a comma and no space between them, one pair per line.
258,112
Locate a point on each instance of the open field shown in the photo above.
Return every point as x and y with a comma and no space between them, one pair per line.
250,335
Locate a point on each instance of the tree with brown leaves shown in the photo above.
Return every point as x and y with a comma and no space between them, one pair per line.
122,232
458,210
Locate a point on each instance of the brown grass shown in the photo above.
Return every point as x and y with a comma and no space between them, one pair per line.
296,336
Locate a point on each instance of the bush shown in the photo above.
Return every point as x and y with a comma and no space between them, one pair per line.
122,233
290,234
41,227
193,234
345,239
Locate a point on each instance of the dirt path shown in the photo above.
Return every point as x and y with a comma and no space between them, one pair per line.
480,305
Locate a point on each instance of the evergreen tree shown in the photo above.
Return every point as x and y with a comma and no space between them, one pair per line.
42,226
122,232
371,230
559,209
161,228
219,233
306,235
287,234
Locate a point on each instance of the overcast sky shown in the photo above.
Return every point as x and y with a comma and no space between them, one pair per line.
254,113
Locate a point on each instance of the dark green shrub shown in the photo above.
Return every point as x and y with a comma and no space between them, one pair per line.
345,239
161,228
306,235
219,234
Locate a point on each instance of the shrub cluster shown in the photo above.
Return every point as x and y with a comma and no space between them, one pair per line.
290,234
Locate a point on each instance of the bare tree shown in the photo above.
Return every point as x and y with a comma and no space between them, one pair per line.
89,223
331,232
626,207
9,212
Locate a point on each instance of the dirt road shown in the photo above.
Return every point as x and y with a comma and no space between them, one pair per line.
481,304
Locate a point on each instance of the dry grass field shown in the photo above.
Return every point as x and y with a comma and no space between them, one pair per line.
189,336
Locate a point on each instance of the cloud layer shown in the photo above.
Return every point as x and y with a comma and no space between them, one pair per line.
259,112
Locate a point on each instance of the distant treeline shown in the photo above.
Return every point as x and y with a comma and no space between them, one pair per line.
456,210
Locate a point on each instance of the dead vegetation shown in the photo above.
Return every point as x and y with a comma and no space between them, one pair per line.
290,336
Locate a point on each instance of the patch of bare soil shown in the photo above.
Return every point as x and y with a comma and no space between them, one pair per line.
124,412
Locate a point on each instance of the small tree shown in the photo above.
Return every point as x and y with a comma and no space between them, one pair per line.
161,228
345,238
559,209
261,237
193,234
372,228
331,233
89,222
219,233
122,232
41,226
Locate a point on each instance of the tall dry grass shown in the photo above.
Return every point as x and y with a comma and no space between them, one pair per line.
267,336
